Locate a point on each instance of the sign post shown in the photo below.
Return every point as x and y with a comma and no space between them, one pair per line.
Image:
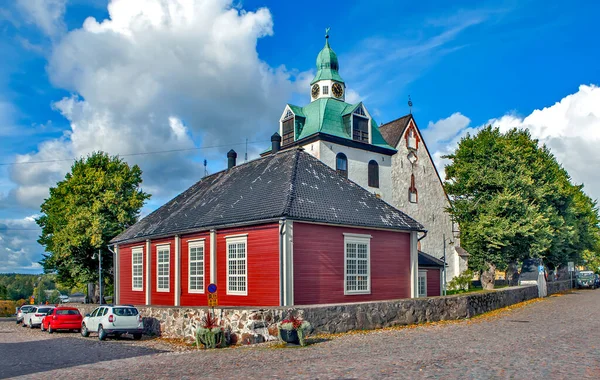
571,270
212,297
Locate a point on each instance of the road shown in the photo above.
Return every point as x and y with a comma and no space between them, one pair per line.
555,338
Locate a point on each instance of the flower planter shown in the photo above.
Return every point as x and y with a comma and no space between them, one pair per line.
289,336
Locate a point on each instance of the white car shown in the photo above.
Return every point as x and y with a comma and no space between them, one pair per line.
22,311
113,320
33,318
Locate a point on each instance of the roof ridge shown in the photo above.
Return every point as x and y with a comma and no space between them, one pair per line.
391,121
292,193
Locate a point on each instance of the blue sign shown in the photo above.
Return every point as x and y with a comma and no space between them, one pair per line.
212,288
541,269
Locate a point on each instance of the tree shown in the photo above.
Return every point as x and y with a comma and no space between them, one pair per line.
514,201
96,201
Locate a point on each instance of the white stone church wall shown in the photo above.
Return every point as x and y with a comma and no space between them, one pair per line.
431,205
358,162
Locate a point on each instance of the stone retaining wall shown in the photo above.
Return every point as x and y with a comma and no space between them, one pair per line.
253,325
559,286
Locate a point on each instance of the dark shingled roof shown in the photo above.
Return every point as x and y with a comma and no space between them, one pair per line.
291,184
426,260
392,132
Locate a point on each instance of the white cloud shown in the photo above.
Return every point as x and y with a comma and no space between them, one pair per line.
45,14
19,251
570,128
159,76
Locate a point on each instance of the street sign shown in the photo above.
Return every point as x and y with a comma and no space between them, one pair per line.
571,266
212,300
212,288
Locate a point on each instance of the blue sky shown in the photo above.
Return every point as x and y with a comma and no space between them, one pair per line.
219,73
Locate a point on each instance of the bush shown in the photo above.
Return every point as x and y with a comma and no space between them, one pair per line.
7,308
461,283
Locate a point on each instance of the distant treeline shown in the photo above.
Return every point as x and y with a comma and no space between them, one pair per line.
43,287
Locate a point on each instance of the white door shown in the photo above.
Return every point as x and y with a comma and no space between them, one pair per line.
422,283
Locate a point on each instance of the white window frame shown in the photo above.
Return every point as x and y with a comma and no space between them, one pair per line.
422,275
136,251
196,244
237,239
160,248
325,90
350,238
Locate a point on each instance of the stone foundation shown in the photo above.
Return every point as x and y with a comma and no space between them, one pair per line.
252,325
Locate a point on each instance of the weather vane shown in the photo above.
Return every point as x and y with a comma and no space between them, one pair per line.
409,105
327,32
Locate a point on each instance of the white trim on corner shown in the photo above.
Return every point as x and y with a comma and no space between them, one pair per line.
357,239
137,249
236,239
197,243
168,288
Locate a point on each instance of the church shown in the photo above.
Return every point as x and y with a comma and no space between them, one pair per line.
391,161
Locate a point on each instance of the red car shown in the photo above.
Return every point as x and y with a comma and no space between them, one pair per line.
62,318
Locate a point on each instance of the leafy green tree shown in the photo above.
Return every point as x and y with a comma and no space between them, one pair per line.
96,201
513,201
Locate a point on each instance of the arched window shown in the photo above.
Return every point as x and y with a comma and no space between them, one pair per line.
341,164
412,190
373,174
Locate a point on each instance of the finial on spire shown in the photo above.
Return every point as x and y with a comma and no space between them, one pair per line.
327,32
410,104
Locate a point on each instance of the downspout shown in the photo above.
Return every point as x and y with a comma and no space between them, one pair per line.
423,237
281,262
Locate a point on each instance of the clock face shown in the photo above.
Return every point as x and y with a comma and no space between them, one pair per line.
337,90
315,91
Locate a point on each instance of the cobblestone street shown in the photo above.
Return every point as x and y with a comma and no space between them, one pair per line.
556,338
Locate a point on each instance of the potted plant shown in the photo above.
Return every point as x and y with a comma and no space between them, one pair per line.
293,330
210,334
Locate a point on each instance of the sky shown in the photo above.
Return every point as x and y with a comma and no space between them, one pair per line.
197,78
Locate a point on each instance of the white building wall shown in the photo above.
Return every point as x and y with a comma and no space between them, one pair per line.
358,163
431,205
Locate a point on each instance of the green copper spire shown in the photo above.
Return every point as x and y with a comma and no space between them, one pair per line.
327,63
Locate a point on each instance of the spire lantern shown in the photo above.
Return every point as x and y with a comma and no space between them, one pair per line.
327,82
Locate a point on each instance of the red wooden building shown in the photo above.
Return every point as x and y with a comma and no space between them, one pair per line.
281,230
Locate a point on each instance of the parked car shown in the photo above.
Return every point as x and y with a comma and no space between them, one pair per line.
22,310
597,281
586,279
34,317
62,318
113,320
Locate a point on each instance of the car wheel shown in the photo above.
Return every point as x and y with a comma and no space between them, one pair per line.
84,331
101,333
50,330
42,327
30,325
137,336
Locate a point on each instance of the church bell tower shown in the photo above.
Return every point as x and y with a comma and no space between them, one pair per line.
327,83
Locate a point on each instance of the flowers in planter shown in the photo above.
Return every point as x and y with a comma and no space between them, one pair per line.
293,330
210,334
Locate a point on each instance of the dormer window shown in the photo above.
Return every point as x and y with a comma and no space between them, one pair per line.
360,125
287,129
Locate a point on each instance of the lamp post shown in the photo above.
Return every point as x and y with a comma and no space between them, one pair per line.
99,274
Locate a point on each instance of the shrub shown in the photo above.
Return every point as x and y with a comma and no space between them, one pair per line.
461,282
